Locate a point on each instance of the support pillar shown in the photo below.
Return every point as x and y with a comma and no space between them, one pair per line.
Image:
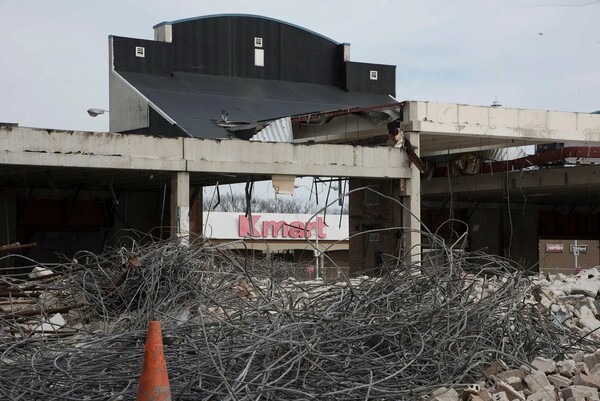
196,213
180,207
411,199
8,227
375,223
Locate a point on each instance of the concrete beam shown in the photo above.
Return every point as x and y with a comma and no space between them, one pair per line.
513,126
411,215
295,159
180,207
37,147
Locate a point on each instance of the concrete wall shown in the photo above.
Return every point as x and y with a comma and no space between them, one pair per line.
128,109
335,264
8,217
8,225
520,236
485,231
140,213
369,211
493,230
556,255
63,222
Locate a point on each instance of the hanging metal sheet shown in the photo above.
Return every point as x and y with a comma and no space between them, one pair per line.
277,131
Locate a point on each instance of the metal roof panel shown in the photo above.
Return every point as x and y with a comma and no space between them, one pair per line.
196,101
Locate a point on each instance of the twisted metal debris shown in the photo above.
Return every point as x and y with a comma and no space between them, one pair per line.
239,329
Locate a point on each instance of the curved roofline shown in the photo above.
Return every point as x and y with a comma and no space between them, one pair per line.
245,15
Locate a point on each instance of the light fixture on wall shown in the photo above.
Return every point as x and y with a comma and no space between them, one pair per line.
96,112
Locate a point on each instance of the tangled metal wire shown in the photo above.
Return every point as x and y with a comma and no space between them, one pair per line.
237,328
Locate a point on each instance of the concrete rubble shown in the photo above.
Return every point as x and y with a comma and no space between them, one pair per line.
543,380
570,302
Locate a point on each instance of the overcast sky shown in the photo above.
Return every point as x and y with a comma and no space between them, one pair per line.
526,53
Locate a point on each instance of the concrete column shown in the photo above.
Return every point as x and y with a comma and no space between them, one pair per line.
411,199
180,207
8,219
374,224
196,220
8,225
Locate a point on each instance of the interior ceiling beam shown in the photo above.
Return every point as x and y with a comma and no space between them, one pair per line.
392,108
345,128
532,183
487,204
438,145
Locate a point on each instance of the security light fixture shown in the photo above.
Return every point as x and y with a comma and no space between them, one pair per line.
96,112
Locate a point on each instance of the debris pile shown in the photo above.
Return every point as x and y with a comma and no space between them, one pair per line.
239,328
571,301
543,380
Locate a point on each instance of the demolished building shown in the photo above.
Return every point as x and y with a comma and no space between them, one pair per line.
241,98
242,328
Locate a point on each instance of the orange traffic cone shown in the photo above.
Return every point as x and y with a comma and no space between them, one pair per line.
154,380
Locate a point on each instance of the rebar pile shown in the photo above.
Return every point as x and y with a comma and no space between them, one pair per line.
238,329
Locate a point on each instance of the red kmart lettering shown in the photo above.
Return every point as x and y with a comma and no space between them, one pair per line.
276,229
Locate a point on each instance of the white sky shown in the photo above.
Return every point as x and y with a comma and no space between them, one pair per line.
54,57
526,53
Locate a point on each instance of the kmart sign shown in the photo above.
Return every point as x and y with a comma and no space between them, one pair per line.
275,226
263,228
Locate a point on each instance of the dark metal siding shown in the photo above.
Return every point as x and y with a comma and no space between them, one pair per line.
244,29
224,45
159,127
358,78
307,57
210,67
158,58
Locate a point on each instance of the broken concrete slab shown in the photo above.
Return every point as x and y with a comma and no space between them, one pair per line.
542,395
581,393
495,368
567,367
585,380
559,381
536,381
520,373
54,323
545,365
445,394
501,396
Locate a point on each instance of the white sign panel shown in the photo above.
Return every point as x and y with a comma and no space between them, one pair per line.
275,226
578,249
555,248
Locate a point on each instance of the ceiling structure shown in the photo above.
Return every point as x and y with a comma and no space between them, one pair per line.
554,187
567,176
